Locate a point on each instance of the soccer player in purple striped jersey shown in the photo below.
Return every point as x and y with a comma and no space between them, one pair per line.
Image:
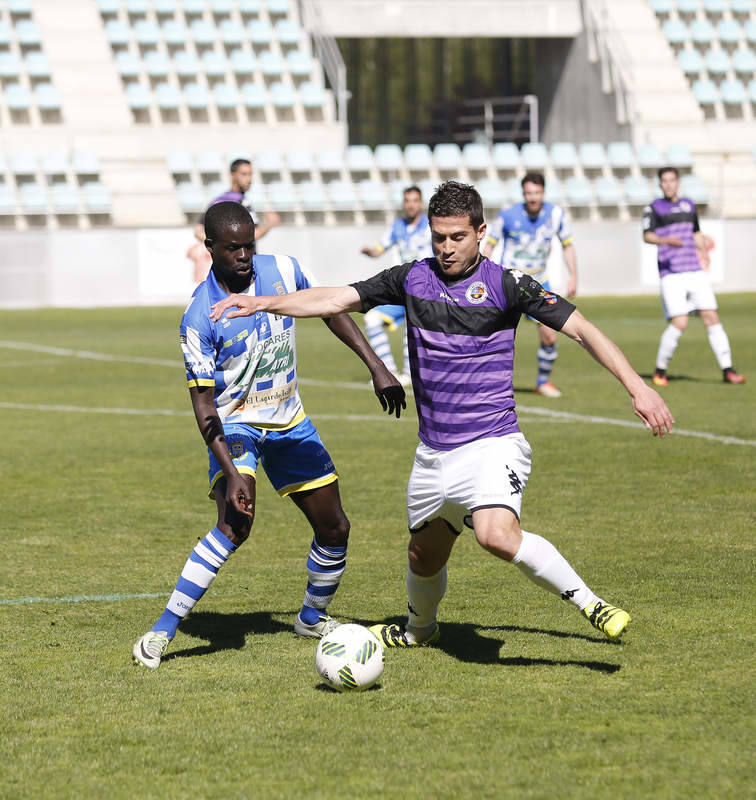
671,223
472,462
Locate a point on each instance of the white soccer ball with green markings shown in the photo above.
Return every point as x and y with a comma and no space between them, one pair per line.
349,658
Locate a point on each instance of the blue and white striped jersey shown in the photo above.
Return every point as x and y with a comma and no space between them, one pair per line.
412,241
250,361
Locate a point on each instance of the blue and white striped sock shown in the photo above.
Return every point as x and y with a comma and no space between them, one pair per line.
209,555
325,566
379,340
546,357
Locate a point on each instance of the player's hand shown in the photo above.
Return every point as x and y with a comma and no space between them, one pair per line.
571,287
237,495
653,411
673,241
242,305
272,219
389,392
367,251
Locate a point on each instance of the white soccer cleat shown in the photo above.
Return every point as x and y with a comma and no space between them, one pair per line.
317,631
149,649
548,390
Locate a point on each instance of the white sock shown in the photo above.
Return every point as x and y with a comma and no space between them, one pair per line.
667,346
540,561
720,344
423,597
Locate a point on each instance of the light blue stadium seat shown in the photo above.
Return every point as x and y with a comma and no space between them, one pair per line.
196,96
180,162
19,7
23,162
534,156
28,33
163,7
749,30
637,191
214,189
10,66
6,36
191,197
175,33
372,195
186,64
117,33
342,195
221,7
147,33
649,156
690,61
554,191
329,160
513,191
506,156
687,6
269,161
702,32
33,198
211,162
271,64
493,193
214,65
17,97
300,162
85,162
282,95
388,157
476,156
717,62
714,8
359,158
661,6
156,63
231,33
193,7
729,32
127,64
675,31
260,33
107,7
744,62
693,187
287,32
678,155
620,155
8,203
281,196
608,191
204,33
592,155
256,197
418,158
448,157
752,95
733,92
243,63
312,95
254,96
563,155
299,63
138,97
226,96
278,7
167,97
65,198
578,191
705,91
47,97
250,8
137,7
741,6
312,196
55,162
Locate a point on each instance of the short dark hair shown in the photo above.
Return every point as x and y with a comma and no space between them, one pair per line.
662,170
225,215
413,188
238,162
455,199
533,177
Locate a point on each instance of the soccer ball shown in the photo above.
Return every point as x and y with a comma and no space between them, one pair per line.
349,658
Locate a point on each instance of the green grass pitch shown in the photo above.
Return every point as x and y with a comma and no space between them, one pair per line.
521,700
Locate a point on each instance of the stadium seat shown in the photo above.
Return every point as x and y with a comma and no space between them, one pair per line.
127,64
661,7
705,91
749,30
678,155
493,193
147,33
164,7
203,33
744,63
578,191
117,33
231,33
714,8
226,96
269,161
47,97
156,64
620,155
476,156
186,64
17,97
388,157
312,95
330,160
675,31
505,156
564,156
180,162
300,162
592,155
214,65
191,197
8,204
221,8
271,64
752,94
243,63
513,191
693,187
288,33
278,7
5,34
359,159
733,92
534,156
249,8
702,32
27,33
137,7
637,191
649,156
33,198
448,157
65,198
254,96
85,162
256,197
260,33
196,96
23,162
282,197
312,196
418,158
342,195
55,162
211,162
741,6
372,195
687,7
138,97
167,97
10,66
108,7
175,34
690,61
717,63
729,31
299,64
608,191
283,95
193,7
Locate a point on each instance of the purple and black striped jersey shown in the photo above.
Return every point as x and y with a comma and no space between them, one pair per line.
665,218
461,340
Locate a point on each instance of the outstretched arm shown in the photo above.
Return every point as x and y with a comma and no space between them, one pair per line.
387,388
647,404
326,301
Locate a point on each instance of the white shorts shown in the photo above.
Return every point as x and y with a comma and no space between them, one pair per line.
451,484
683,292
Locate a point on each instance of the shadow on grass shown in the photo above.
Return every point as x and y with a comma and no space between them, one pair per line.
226,631
682,378
463,641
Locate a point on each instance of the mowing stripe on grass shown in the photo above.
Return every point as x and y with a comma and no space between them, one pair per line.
80,598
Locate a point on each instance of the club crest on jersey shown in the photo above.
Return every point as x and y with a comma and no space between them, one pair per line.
548,297
477,292
279,287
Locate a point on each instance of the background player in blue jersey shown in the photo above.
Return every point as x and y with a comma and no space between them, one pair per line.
472,463
242,378
410,234
528,230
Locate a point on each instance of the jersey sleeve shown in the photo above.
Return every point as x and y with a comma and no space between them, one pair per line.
650,219
694,218
496,231
526,295
564,231
195,336
303,278
385,288
388,239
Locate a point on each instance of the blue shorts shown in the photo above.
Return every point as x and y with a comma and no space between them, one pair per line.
393,316
294,459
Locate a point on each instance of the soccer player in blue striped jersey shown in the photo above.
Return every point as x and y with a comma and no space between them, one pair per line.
528,229
410,235
472,463
242,377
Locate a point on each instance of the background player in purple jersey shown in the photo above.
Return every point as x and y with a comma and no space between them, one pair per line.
472,463
671,222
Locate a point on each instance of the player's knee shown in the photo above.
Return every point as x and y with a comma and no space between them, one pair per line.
500,542
333,532
236,529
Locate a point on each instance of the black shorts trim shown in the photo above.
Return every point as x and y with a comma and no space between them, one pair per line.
428,522
491,505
